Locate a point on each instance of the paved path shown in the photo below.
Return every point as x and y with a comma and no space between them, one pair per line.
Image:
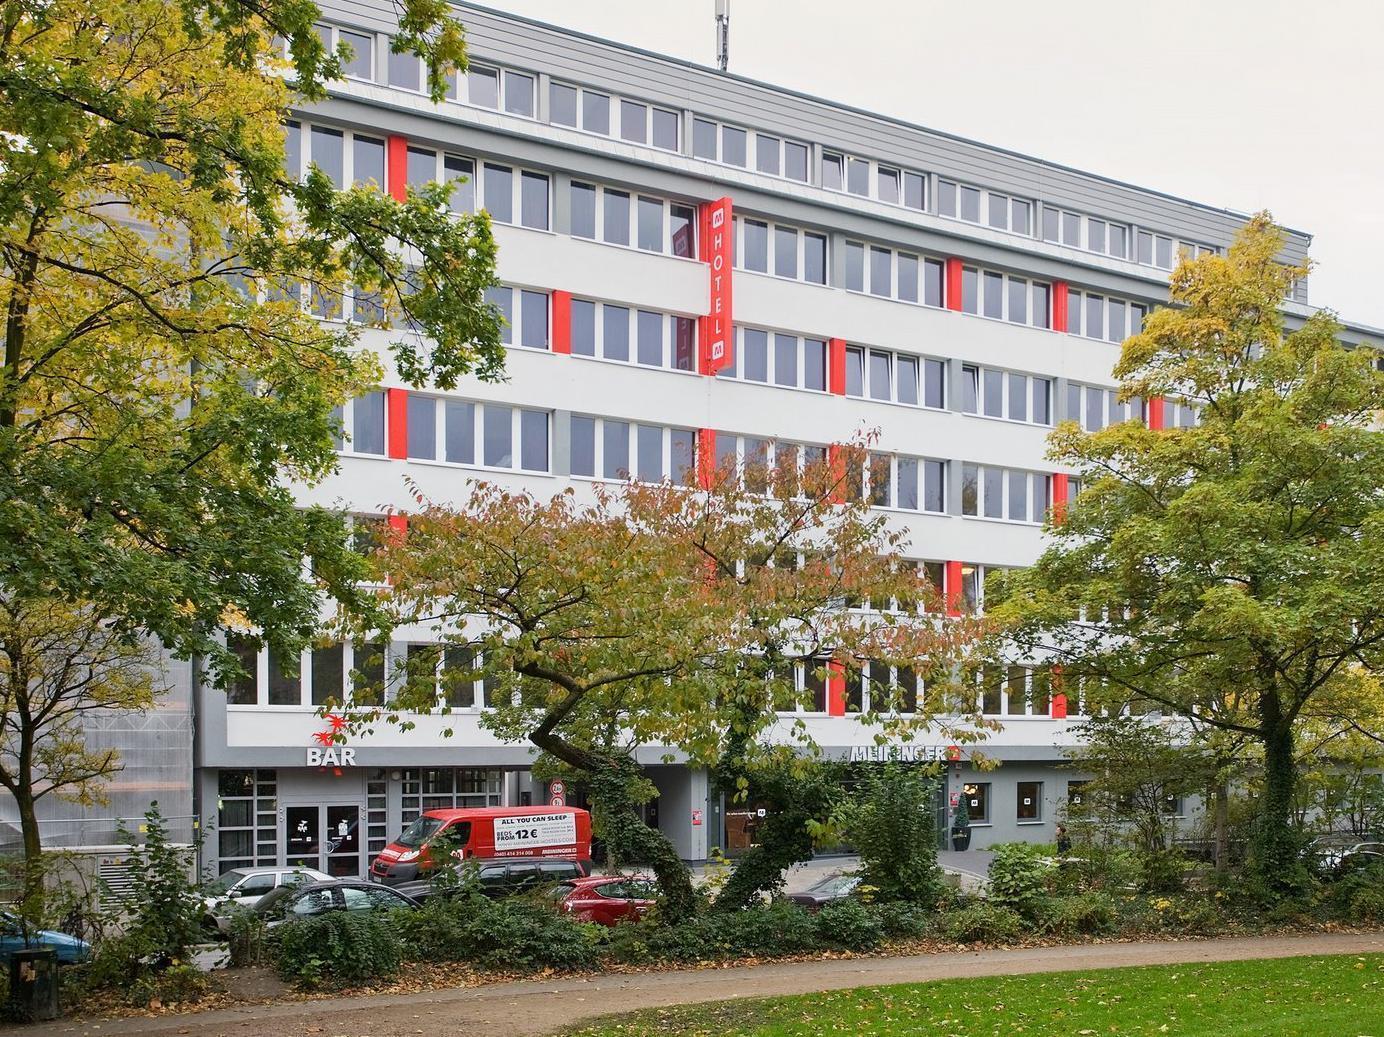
535,1007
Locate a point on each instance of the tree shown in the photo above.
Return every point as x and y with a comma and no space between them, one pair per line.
163,383
661,615
889,819
60,667
1230,572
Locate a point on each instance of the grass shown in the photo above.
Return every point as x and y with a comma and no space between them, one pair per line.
1338,996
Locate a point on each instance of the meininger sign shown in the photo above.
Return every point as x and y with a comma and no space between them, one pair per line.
903,752
718,241
534,831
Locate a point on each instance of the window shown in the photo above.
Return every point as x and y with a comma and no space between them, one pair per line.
360,63
483,86
1007,394
247,818
841,172
595,112
977,205
1099,317
1030,805
977,795
882,280
896,481
623,450
655,225
562,104
1002,493
659,340
519,94
463,424
797,254
634,121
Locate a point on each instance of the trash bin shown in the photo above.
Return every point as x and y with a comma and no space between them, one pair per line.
34,984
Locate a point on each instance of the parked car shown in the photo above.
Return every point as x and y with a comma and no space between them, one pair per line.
829,889
486,833
243,887
607,899
509,876
308,899
1340,860
71,949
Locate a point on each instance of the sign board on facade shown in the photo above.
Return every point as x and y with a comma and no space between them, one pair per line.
340,756
903,752
718,252
696,818
533,831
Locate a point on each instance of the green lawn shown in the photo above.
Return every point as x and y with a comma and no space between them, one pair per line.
1341,996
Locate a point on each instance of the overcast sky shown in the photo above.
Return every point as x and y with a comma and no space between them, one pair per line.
1245,104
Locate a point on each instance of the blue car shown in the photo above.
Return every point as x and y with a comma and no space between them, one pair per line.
71,950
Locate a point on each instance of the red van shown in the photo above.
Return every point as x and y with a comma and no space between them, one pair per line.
485,833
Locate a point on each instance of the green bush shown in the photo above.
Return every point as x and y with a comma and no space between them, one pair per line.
890,823
1163,872
247,937
981,922
1088,913
1357,897
906,921
340,947
850,924
1109,868
514,933
1021,875
177,984
778,928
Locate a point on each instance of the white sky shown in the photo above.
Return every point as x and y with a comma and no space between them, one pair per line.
1245,104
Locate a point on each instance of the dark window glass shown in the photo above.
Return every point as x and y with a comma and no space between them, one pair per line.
994,492
934,477
855,266
1030,801
815,364
1095,409
498,428
650,229
1071,229
533,323
795,161
914,191
519,94
649,344
1164,256
1042,317
583,327
1095,316
682,221
785,252
422,167
880,364
242,691
814,258
460,173
533,199
858,176
970,388
615,441
461,432
881,480
704,139
285,685
908,277
617,217
932,282
666,130
595,112
502,298
1018,301
327,151
970,489
422,426
732,146
970,290
946,198
1019,214
367,427
367,673
833,171
533,440
994,294
907,390
649,454
360,64
881,271
755,344
1116,330
634,122
683,470
499,193
908,484
786,360
583,445
888,181
483,86
1018,496
328,672
1042,401
583,198
1050,222
684,343
616,333
562,104
994,393
293,150
934,383
755,245
767,151
1118,244
970,204
855,371
1018,397
999,211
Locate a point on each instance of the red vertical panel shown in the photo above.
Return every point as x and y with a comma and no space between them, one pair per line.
398,523
836,688
836,366
836,472
396,168
1059,497
718,252
396,421
1157,418
1059,698
953,590
706,458
562,322
953,285
1059,306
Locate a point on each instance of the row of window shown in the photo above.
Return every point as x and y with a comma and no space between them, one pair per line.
639,122
626,335
488,435
1103,317
618,218
1004,493
1006,394
784,251
893,274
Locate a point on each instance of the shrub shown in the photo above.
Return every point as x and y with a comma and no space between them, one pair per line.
339,947
981,923
1020,875
1163,871
1358,897
850,924
1113,869
177,984
1089,913
778,928
891,824
516,932
909,921
247,937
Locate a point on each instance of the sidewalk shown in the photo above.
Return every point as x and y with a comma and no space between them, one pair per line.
535,1007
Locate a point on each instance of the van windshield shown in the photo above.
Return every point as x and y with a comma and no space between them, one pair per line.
416,834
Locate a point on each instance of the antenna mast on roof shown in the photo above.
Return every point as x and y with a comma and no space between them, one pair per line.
722,33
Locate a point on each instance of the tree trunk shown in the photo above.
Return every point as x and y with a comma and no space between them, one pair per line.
33,852
1275,858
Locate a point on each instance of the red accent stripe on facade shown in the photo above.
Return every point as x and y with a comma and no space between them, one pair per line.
836,472
1058,702
836,366
1059,497
953,588
396,422
706,458
396,168
953,285
717,251
836,688
1157,415
398,523
1059,306
562,322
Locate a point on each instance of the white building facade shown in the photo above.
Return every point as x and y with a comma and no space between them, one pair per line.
958,298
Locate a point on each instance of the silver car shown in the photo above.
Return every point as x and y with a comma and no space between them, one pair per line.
243,887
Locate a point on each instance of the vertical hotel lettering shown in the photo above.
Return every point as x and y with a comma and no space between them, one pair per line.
717,251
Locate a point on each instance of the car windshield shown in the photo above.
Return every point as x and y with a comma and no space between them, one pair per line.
223,883
273,901
416,834
836,884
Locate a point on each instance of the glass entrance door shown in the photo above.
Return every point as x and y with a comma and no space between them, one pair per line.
325,836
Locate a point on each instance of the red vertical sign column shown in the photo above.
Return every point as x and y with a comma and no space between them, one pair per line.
952,286
1059,306
396,168
396,422
836,366
562,322
718,252
836,688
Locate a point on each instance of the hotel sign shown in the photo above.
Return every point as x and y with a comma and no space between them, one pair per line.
904,752
718,252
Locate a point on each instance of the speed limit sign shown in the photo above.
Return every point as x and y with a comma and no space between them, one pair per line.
557,794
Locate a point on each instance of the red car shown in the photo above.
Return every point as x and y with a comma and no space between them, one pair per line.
607,899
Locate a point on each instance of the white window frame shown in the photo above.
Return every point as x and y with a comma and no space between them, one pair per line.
800,233
478,435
